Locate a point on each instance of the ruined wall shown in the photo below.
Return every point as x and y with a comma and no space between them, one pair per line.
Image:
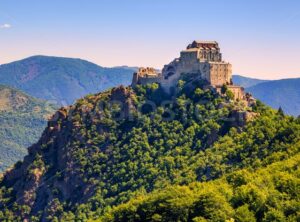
145,76
146,80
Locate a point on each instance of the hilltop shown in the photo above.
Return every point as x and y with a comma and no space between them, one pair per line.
22,120
113,147
64,80
61,79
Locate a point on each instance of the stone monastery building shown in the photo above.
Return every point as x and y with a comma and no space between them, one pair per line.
200,57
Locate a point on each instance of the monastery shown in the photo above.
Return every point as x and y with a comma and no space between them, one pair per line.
202,58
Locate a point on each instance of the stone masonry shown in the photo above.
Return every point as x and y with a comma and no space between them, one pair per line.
200,57
145,76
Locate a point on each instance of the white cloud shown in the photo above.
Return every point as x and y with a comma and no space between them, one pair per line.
5,26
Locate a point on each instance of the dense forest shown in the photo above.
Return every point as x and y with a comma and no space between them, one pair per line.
22,120
269,193
143,155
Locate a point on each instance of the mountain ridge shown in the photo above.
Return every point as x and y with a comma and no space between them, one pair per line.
73,78
246,81
284,93
61,79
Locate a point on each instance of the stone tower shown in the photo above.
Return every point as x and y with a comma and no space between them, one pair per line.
200,57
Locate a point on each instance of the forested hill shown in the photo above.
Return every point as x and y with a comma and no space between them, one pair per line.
143,146
22,120
61,79
270,193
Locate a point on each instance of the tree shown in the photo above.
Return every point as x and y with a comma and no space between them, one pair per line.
280,111
229,95
243,214
224,89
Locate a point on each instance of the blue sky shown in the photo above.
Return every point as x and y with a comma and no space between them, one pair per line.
260,38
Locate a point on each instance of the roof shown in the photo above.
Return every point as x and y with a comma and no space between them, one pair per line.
210,45
206,42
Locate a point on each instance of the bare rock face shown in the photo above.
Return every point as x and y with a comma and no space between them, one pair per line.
120,94
51,163
240,118
123,96
31,179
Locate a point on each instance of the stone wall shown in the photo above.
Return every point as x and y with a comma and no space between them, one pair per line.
220,73
145,76
238,91
145,80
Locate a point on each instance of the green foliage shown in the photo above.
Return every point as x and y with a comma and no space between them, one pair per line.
224,89
219,200
22,120
229,95
180,160
243,214
280,111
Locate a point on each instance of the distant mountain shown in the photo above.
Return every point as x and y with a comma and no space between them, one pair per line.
22,120
246,81
61,79
284,93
